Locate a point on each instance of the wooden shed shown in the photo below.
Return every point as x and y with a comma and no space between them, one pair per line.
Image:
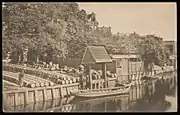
96,55
125,69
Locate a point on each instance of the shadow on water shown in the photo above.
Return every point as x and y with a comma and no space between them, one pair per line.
144,96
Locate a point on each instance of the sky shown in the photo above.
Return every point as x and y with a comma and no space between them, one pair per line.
143,18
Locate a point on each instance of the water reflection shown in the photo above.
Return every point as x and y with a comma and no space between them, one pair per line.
144,96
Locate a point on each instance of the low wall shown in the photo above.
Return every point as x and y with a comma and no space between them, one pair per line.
29,95
47,106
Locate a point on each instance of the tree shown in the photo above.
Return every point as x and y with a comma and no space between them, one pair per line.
152,50
55,31
22,22
63,30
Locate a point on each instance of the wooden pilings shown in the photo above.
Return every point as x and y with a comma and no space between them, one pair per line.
140,90
25,96
49,106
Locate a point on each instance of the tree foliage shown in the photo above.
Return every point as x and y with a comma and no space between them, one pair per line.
64,30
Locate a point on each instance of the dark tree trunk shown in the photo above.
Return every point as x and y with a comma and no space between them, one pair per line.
25,55
37,58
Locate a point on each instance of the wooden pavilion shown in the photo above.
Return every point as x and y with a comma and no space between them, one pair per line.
96,55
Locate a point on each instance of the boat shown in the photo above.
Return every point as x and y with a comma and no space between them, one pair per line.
95,101
103,92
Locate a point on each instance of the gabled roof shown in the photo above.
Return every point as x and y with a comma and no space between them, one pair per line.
95,54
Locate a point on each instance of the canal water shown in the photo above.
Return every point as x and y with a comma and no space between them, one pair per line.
144,96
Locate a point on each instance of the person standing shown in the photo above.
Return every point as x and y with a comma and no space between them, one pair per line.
82,77
87,77
21,76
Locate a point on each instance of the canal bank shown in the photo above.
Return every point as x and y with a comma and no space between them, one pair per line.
141,98
29,95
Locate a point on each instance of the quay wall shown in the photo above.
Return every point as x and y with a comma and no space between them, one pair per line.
29,95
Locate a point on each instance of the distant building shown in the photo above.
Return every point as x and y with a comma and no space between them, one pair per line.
171,46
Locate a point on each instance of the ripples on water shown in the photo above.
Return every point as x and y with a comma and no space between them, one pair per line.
143,97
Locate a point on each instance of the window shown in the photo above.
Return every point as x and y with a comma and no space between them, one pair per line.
119,63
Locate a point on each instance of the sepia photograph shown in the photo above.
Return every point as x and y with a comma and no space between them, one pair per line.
89,57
